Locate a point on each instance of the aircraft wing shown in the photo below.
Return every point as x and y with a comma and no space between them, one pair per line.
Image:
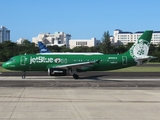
74,65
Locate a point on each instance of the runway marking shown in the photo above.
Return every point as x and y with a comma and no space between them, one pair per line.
46,78
137,79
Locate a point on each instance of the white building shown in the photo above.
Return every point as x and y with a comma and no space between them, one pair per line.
83,42
112,39
21,40
4,34
59,38
122,37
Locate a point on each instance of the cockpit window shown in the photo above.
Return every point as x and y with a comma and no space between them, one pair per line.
11,60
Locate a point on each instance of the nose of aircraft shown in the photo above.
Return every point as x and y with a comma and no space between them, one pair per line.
8,65
4,65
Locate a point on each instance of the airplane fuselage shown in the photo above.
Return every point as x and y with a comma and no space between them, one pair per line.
33,62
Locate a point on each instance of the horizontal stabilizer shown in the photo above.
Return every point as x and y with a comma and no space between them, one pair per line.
146,58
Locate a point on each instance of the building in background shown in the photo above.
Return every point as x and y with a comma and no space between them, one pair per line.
121,37
21,40
4,34
83,42
58,38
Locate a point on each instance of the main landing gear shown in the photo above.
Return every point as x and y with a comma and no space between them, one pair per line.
75,76
24,75
73,73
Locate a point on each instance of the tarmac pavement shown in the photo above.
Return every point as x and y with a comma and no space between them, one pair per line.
103,97
65,103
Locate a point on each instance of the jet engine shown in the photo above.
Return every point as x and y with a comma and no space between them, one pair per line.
57,72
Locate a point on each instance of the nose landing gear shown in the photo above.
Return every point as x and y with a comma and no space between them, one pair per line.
24,75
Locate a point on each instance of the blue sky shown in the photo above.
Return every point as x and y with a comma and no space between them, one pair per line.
83,19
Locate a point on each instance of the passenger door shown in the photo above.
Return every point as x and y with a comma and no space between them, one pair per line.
124,60
23,60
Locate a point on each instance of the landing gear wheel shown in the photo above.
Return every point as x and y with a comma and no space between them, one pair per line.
75,76
24,75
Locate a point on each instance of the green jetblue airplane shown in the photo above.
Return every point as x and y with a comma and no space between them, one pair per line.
62,64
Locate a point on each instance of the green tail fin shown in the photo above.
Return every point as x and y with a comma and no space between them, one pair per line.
147,35
141,47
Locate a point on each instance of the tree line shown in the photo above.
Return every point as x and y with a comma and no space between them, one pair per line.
9,49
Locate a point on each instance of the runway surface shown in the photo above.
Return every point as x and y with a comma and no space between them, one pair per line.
95,96
90,74
88,79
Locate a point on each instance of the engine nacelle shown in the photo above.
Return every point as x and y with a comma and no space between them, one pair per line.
57,72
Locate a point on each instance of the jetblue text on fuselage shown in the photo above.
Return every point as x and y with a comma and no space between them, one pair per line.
40,59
